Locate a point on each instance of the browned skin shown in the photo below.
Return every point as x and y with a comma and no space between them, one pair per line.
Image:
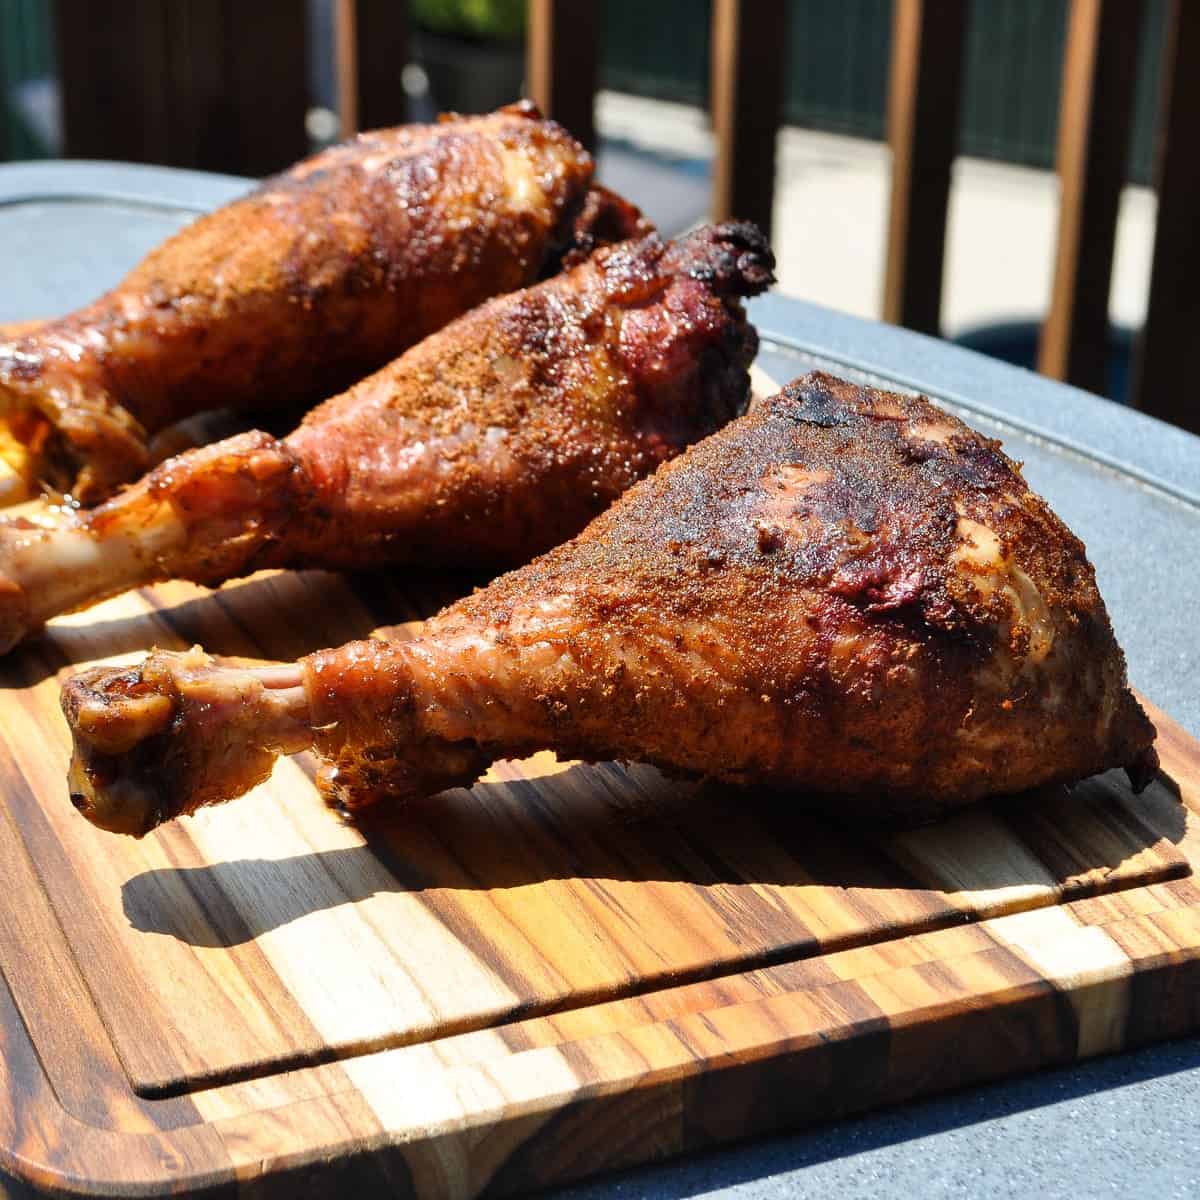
604,218
846,591
497,437
321,275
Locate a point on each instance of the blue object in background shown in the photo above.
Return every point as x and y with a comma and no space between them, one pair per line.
1016,342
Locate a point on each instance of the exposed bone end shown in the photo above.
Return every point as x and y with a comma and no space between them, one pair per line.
117,771
25,438
14,485
109,799
174,734
51,562
16,620
45,561
66,437
28,442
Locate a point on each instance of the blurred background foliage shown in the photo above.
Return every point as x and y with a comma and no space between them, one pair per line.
471,18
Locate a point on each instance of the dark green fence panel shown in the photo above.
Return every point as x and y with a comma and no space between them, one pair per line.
837,72
1013,71
1145,100
24,55
656,48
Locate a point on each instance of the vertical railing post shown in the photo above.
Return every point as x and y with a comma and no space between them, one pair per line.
924,103
1166,351
1095,117
561,58
749,48
112,64
265,51
371,46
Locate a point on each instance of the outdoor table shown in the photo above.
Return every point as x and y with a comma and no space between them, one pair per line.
1127,484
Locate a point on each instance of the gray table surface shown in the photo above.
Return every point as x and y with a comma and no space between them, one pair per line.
1127,484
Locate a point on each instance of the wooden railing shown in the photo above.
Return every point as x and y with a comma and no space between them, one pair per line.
746,89
1095,112
561,62
371,48
924,103
174,80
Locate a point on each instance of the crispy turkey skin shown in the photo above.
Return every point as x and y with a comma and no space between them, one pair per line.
846,591
318,276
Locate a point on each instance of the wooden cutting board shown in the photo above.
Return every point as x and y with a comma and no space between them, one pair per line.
563,969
